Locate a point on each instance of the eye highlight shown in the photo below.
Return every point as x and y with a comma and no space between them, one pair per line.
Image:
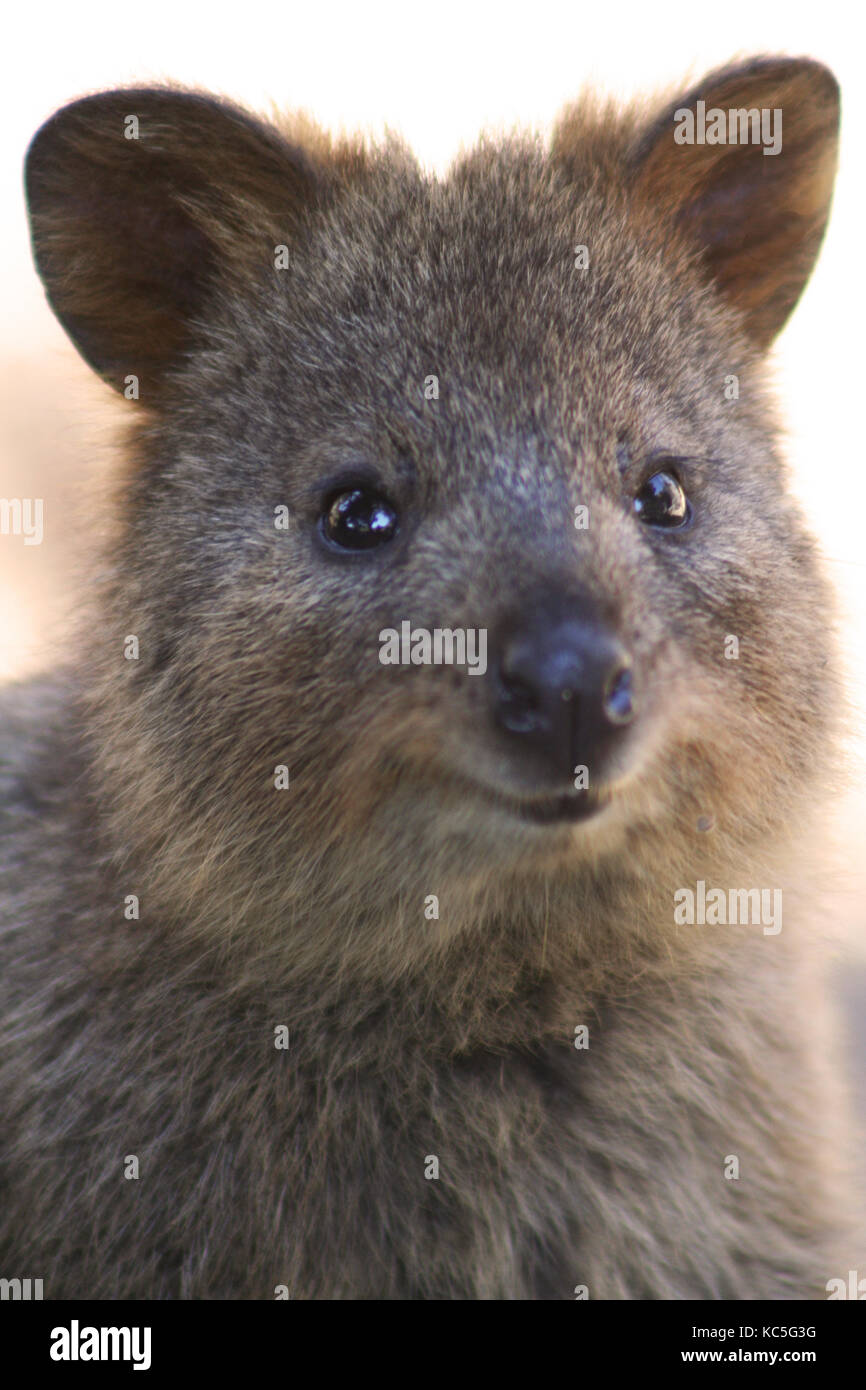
662,502
358,518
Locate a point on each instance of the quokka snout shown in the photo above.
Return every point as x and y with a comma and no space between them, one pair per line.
522,411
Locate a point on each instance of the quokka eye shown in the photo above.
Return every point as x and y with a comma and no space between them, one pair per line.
661,501
358,519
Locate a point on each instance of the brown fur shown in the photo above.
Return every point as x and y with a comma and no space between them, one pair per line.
412,1037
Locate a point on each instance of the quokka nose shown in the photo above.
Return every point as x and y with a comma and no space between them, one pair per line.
563,693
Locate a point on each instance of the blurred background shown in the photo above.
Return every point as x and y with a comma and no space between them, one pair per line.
437,74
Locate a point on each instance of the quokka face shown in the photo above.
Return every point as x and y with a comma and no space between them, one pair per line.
525,401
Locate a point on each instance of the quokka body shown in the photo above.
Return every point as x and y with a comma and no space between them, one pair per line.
324,976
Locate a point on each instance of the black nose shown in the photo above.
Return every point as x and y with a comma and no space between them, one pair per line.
562,692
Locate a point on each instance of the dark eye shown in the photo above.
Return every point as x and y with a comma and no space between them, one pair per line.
662,502
359,519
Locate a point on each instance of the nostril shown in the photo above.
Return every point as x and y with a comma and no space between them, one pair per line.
618,698
519,706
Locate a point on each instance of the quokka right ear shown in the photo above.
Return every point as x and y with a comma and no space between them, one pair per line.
140,200
755,209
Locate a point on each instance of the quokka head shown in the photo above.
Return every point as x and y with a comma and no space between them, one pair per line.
522,406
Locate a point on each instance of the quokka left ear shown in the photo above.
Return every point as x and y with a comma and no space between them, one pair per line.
744,165
142,201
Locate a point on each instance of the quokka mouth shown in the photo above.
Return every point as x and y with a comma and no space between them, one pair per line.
567,808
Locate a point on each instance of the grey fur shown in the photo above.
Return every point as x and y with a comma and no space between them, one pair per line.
411,1037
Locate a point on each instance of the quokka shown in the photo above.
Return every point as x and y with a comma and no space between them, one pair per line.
345,978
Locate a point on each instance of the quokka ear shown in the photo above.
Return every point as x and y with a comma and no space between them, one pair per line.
140,201
757,211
